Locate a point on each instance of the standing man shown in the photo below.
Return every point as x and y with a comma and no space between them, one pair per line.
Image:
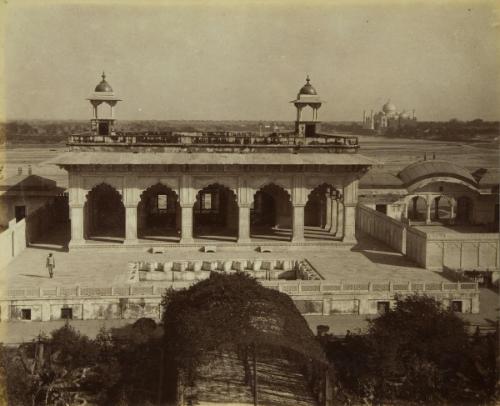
51,264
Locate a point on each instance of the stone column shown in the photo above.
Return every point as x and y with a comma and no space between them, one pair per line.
130,224
436,207
452,212
349,222
333,220
339,232
76,216
328,209
244,224
322,212
186,224
350,200
428,213
298,223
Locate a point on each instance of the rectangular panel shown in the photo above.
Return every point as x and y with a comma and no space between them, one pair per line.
469,255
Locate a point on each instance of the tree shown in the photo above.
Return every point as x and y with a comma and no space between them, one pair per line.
417,352
233,314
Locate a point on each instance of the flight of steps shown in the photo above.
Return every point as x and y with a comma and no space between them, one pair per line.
280,383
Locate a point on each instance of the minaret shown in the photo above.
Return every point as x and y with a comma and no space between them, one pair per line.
102,123
307,96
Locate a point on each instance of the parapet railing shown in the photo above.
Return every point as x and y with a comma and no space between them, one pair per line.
214,138
289,287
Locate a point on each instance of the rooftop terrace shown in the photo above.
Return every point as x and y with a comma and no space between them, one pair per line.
227,141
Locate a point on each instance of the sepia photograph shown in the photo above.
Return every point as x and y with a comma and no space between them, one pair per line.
249,203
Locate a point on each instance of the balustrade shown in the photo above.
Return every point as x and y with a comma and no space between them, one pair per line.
236,139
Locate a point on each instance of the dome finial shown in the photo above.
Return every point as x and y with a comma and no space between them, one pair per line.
307,79
103,86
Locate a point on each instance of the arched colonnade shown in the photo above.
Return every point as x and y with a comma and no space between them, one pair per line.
269,211
439,208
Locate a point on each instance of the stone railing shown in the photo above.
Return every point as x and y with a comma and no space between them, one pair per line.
237,140
289,287
381,227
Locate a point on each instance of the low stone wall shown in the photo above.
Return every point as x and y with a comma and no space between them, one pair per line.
311,297
434,251
12,241
416,246
381,227
19,234
463,251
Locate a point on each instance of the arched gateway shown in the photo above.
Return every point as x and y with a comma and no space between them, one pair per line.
254,164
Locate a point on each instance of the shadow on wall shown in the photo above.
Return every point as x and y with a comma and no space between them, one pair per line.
379,253
55,238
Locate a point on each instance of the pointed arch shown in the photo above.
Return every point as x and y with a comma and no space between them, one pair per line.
271,212
104,213
215,212
318,208
158,213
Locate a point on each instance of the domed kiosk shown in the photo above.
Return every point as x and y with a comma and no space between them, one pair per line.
102,123
307,97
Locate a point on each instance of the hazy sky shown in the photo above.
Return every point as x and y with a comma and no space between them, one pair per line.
199,61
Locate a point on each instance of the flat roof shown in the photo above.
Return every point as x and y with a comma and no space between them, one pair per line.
207,158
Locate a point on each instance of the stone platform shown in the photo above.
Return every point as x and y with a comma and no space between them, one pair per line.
96,285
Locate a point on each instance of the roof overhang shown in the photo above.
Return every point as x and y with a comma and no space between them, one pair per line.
83,158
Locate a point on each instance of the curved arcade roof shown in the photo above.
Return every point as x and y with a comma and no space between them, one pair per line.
427,169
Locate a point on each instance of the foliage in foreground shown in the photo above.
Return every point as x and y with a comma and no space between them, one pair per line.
114,369
418,353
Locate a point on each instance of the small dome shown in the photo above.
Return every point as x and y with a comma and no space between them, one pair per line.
103,86
308,89
388,107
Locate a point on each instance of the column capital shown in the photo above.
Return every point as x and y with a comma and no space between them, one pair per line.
76,205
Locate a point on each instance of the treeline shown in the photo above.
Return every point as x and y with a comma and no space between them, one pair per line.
22,132
453,130
31,132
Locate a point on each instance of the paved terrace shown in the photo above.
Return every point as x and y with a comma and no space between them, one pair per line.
367,261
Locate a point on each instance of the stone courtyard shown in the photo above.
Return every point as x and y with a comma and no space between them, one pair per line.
367,261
